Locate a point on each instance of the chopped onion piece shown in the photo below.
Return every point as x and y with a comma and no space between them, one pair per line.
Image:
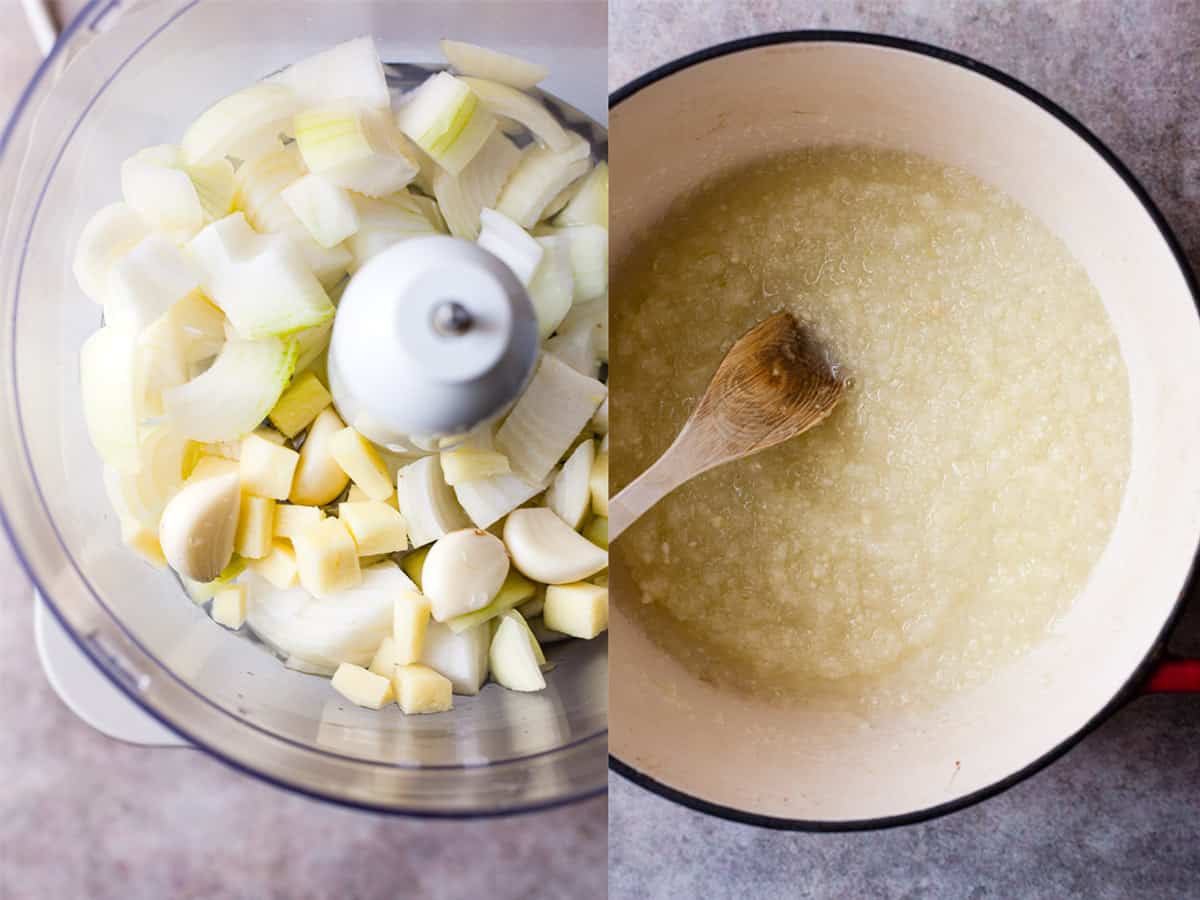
529,111
446,120
146,282
551,413
589,260
552,286
570,493
427,503
260,281
201,327
577,348
351,72
108,375
538,179
385,222
471,59
477,186
487,500
511,244
323,208
213,183
162,364
235,394
361,150
589,205
146,492
156,187
260,184
346,626
594,317
108,235
244,125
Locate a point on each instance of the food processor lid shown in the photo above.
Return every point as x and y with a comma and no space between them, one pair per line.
432,337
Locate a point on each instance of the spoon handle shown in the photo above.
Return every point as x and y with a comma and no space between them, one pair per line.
679,463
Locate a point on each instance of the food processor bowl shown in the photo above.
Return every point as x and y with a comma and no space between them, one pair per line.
125,75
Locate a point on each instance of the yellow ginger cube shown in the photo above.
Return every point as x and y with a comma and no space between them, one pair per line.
255,527
279,566
375,527
362,687
419,689
212,467
579,609
410,619
292,518
327,558
299,404
266,468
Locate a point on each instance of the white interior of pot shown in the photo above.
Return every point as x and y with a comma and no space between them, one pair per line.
829,764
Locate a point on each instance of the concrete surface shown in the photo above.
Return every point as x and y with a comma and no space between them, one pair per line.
1117,817
85,818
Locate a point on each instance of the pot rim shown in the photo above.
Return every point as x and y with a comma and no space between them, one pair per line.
1130,688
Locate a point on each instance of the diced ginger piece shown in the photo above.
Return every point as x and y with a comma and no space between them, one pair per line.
358,459
410,621
292,518
375,527
471,464
266,469
279,566
255,528
362,687
143,541
327,558
419,689
324,208
212,467
384,661
229,606
302,402
599,485
579,609
319,479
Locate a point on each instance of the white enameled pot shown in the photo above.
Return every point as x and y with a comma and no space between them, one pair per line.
826,768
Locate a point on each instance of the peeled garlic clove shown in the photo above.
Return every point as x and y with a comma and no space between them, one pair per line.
319,479
198,526
463,572
545,548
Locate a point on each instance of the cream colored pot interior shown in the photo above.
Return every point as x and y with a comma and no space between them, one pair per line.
827,764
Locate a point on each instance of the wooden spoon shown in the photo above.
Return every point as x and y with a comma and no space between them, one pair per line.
776,382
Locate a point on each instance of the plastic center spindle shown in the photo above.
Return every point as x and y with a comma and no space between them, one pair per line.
433,337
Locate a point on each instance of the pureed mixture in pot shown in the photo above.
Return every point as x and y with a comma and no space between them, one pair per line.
956,501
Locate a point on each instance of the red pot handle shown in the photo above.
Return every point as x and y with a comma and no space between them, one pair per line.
1175,676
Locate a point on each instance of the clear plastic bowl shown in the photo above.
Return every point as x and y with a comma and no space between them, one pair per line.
127,75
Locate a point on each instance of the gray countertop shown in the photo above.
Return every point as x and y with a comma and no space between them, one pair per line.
83,817
1118,816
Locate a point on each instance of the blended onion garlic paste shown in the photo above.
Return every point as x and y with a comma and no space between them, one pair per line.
956,501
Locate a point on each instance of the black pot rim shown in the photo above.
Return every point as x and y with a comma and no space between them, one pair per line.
1129,689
